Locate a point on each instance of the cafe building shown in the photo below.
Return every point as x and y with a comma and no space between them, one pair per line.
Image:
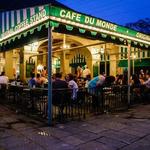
76,39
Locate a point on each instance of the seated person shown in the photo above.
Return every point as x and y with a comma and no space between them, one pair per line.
32,82
44,80
3,78
3,84
146,91
59,87
38,80
72,85
59,83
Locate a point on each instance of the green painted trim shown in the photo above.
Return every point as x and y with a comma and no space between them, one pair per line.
82,30
9,41
47,24
93,33
137,63
69,28
135,43
103,35
141,44
54,24
31,31
19,36
39,28
146,46
25,34
113,37
121,39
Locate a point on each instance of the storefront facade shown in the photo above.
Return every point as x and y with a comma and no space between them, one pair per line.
78,39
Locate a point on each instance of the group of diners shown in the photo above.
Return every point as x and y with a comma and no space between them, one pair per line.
37,81
140,83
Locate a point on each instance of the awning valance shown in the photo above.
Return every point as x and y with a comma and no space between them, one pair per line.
137,63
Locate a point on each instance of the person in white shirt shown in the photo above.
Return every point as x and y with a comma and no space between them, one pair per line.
3,78
73,85
86,72
79,72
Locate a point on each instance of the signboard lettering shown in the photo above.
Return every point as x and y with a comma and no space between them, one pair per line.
143,36
86,20
70,15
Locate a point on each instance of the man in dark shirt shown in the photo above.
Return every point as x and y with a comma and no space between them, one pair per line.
59,91
59,83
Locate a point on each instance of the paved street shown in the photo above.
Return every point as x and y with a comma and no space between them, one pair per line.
122,131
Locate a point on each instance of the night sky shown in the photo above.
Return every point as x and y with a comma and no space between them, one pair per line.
117,11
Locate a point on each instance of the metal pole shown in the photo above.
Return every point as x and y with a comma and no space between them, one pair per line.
129,52
105,60
49,75
133,65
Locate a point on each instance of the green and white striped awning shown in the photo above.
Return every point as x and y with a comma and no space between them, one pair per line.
18,22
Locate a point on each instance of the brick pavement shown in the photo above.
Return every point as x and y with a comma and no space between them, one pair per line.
122,131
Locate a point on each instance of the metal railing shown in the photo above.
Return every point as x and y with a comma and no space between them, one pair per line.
34,102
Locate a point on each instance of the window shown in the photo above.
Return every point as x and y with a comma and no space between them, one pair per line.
143,54
139,53
102,57
121,52
125,55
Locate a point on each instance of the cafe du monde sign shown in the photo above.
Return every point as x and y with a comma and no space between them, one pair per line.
95,22
79,18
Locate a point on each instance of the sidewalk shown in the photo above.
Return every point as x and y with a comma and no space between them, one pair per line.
122,131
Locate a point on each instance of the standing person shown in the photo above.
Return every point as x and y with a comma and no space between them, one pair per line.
93,86
86,72
73,85
3,78
88,78
44,71
96,81
79,72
